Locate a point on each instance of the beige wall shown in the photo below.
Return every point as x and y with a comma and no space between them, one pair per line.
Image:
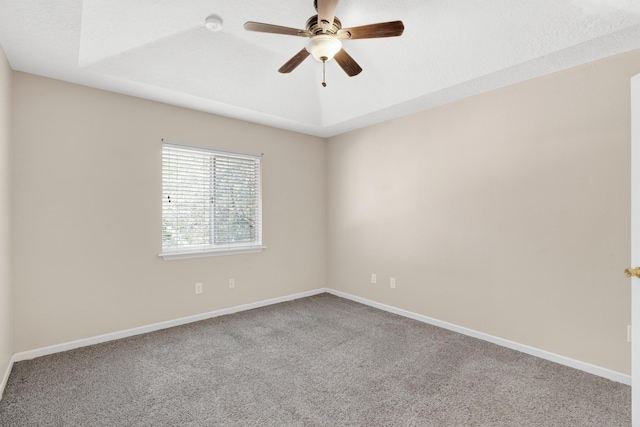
6,312
507,213
87,214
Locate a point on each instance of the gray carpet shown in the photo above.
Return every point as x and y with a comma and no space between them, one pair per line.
318,361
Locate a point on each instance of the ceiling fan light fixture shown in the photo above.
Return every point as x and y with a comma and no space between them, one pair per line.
325,33
324,47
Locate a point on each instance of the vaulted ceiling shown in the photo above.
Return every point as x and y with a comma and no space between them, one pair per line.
450,49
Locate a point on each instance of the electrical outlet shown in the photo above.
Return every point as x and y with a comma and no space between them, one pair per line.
392,283
628,333
198,288
232,283
373,278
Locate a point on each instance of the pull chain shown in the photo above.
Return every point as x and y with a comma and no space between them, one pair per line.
324,62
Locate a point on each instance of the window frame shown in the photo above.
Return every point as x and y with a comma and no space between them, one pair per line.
212,249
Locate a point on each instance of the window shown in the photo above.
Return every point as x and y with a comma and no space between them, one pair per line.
211,202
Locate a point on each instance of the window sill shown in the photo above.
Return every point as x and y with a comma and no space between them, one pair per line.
167,256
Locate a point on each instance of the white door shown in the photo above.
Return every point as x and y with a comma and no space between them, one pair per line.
635,247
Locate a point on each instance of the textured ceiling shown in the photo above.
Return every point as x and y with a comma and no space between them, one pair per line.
160,50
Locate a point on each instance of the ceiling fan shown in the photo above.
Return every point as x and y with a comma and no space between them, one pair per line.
326,34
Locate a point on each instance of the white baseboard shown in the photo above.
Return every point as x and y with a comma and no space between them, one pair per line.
586,367
32,354
5,377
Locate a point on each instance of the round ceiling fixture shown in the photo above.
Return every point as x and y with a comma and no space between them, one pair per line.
324,47
213,23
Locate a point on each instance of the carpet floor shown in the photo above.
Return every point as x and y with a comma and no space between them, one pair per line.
317,361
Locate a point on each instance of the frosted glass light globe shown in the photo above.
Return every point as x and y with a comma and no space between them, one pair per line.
323,47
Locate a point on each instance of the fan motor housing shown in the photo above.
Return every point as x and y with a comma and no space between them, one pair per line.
315,28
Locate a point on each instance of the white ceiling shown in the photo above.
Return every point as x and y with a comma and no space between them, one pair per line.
450,49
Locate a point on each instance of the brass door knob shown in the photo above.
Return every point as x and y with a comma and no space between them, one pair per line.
633,272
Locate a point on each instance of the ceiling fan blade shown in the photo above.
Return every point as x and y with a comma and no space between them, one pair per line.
326,13
275,29
372,31
294,62
347,63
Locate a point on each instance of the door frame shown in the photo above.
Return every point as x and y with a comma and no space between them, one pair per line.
635,249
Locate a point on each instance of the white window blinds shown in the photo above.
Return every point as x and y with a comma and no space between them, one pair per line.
211,201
